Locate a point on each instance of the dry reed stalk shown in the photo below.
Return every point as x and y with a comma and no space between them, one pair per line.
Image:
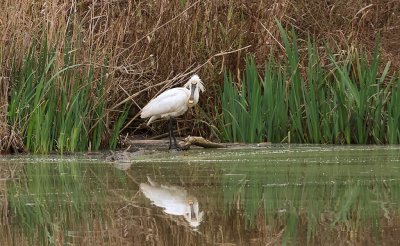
3,110
4,128
148,43
10,141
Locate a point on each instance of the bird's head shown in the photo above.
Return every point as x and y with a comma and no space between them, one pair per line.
193,214
194,85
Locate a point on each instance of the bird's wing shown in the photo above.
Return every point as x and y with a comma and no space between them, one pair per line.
167,102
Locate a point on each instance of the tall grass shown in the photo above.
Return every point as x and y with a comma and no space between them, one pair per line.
243,109
345,101
59,108
141,39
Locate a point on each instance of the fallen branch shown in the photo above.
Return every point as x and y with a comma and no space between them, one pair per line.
198,141
163,143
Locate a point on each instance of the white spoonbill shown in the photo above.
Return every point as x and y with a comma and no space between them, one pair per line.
172,103
174,200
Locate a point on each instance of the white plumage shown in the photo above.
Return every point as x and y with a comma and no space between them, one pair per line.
173,103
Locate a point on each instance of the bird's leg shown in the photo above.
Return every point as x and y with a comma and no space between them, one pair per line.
170,133
177,147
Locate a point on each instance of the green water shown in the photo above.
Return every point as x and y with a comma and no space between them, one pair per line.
299,194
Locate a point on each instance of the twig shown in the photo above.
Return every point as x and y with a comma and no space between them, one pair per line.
276,40
156,29
177,77
167,133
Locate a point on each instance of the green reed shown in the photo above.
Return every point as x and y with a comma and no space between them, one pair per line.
345,101
59,107
393,114
243,108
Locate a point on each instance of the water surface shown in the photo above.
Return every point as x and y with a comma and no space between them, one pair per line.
299,194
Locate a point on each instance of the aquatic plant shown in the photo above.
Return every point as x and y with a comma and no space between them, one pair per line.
345,101
60,108
243,109
146,44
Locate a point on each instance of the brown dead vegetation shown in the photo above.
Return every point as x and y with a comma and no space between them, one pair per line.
155,44
9,140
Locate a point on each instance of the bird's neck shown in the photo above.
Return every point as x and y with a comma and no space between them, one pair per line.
195,97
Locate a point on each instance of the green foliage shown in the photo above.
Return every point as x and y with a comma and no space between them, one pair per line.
346,101
117,128
59,108
243,109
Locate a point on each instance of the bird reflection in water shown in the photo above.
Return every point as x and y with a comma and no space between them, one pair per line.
174,200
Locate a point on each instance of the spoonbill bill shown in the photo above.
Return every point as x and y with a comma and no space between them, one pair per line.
173,103
174,200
